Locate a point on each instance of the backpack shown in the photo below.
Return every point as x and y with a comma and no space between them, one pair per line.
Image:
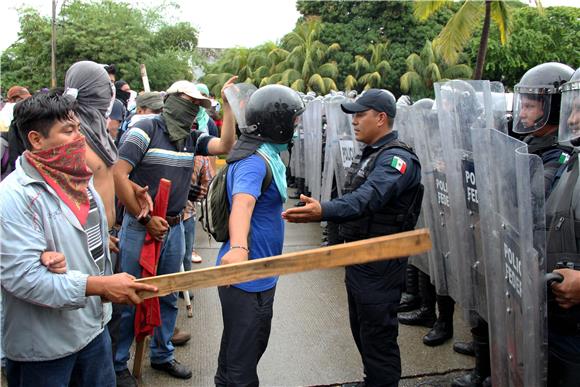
215,209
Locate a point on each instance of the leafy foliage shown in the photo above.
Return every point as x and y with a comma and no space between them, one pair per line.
105,32
535,39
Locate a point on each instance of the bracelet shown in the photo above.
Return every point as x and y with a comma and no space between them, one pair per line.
144,220
240,247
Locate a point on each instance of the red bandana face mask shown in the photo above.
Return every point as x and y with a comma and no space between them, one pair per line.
64,168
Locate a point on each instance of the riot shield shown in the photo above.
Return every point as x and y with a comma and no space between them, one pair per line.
436,203
312,123
461,106
409,130
340,140
511,199
238,96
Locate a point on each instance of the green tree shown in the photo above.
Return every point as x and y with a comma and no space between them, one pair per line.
426,68
372,73
105,32
536,38
307,68
459,30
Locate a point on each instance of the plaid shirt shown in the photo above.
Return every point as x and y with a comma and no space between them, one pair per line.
200,179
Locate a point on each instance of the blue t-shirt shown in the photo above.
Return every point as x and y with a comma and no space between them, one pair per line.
267,226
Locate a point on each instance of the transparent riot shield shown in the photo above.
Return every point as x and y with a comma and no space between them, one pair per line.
312,123
462,105
238,96
297,158
340,136
436,202
328,135
511,199
408,131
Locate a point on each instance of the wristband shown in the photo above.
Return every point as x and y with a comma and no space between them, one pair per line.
240,247
144,220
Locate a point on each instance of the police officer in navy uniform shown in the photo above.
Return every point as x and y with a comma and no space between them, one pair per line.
383,196
563,250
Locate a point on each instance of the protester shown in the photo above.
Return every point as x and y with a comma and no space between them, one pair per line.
247,307
161,147
54,328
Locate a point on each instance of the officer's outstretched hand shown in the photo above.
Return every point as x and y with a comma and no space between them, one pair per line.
310,212
568,292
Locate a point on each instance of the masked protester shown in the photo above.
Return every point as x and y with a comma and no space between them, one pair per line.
52,325
161,146
270,116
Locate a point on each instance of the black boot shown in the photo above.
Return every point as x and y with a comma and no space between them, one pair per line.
410,299
464,348
425,315
481,373
443,328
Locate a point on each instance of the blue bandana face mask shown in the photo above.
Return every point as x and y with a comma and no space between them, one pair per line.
280,147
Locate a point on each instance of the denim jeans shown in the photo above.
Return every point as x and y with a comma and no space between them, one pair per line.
91,366
189,228
131,237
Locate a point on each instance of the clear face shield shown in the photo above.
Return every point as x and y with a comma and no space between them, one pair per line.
570,113
531,110
238,96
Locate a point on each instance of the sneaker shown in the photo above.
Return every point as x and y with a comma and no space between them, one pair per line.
195,257
125,379
173,368
179,338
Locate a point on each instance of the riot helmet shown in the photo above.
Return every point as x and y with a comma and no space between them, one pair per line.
271,113
460,97
570,111
537,97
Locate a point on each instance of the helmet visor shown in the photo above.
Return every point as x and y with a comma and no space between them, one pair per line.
570,112
531,111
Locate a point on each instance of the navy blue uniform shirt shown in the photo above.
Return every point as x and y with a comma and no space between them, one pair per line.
383,183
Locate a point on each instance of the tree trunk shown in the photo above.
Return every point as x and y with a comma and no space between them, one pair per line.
483,42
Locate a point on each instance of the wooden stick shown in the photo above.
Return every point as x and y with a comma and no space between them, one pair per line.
140,346
376,249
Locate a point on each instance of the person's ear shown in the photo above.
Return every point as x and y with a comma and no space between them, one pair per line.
35,139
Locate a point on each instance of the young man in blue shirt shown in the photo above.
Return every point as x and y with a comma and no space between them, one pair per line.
256,229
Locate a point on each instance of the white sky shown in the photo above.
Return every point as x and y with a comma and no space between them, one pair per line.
221,23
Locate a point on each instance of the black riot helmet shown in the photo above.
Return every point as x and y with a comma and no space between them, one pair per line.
570,111
537,97
271,113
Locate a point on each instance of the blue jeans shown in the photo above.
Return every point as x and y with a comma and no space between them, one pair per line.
189,227
131,237
91,366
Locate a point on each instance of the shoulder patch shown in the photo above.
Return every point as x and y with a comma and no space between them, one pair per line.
399,164
564,157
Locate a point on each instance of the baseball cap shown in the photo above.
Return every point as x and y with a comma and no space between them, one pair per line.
17,91
150,99
379,100
190,89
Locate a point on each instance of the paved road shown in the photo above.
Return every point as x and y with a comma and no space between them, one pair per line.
310,342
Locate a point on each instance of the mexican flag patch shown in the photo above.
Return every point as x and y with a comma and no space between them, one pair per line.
564,157
399,164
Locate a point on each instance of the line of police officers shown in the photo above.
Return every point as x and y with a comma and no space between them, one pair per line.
382,193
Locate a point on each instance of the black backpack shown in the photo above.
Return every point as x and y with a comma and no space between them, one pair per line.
215,209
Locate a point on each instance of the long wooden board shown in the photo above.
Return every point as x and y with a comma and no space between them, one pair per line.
368,250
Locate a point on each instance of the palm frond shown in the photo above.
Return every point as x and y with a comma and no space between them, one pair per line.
329,70
458,31
500,14
350,82
424,9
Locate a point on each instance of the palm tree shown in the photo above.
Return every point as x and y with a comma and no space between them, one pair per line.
305,68
459,29
371,73
425,69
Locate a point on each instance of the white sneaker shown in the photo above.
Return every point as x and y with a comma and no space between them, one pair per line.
195,257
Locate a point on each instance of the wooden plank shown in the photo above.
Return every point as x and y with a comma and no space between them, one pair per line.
140,346
368,250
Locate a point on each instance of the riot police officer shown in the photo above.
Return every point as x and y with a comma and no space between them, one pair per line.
537,114
563,250
383,194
